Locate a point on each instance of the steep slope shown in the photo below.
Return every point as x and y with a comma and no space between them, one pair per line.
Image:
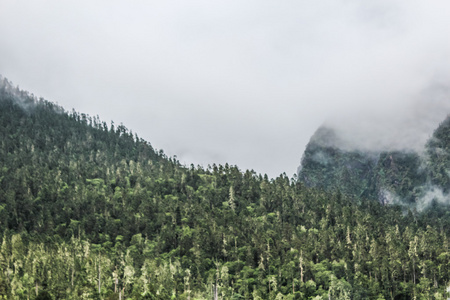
399,178
438,157
324,165
47,155
403,177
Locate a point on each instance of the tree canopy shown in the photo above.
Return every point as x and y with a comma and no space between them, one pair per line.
91,211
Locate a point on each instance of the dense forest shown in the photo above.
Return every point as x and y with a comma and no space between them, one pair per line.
405,177
88,210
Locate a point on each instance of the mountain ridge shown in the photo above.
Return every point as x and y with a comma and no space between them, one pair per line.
401,176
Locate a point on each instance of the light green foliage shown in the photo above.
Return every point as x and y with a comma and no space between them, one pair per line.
89,211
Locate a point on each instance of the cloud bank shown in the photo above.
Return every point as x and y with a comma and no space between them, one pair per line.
246,83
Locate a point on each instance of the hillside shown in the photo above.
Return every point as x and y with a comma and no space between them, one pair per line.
407,178
91,211
438,157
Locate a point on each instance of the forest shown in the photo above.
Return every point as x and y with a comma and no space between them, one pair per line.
410,178
88,210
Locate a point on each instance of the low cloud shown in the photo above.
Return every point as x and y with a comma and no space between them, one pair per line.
249,81
431,194
404,125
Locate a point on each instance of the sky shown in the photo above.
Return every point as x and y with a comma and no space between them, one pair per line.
243,82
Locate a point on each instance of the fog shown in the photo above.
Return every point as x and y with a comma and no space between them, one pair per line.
243,82
404,126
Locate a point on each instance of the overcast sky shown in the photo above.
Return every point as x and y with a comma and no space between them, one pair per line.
245,82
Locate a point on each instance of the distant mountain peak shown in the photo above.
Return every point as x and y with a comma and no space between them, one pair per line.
404,177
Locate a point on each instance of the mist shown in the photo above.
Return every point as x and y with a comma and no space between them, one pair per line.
398,126
246,83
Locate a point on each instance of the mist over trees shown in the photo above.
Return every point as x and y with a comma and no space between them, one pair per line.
89,210
411,178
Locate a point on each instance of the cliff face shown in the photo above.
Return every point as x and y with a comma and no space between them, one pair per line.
404,177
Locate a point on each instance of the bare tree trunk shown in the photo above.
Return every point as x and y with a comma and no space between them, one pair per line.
189,291
99,274
435,281
301,265
216,297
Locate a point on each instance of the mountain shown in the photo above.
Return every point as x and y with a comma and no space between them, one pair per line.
324,165
404,177
438,157
91,211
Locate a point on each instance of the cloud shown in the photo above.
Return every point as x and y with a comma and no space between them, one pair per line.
243,82
406,124
432,193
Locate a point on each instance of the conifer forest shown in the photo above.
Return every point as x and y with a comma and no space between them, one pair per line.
89,210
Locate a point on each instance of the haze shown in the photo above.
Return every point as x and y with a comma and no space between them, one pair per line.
243,82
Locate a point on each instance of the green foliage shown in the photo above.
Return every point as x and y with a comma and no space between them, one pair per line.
401,177
44,295
89,211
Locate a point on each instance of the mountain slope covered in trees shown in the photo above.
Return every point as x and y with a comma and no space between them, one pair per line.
405,177
91,211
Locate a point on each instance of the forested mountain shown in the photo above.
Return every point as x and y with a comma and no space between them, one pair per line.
407,178
438,157
91,211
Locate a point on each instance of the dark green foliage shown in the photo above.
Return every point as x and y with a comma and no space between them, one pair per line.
325,165
44,295
438,150
403,177
89,211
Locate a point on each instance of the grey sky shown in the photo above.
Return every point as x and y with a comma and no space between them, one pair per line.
243,82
